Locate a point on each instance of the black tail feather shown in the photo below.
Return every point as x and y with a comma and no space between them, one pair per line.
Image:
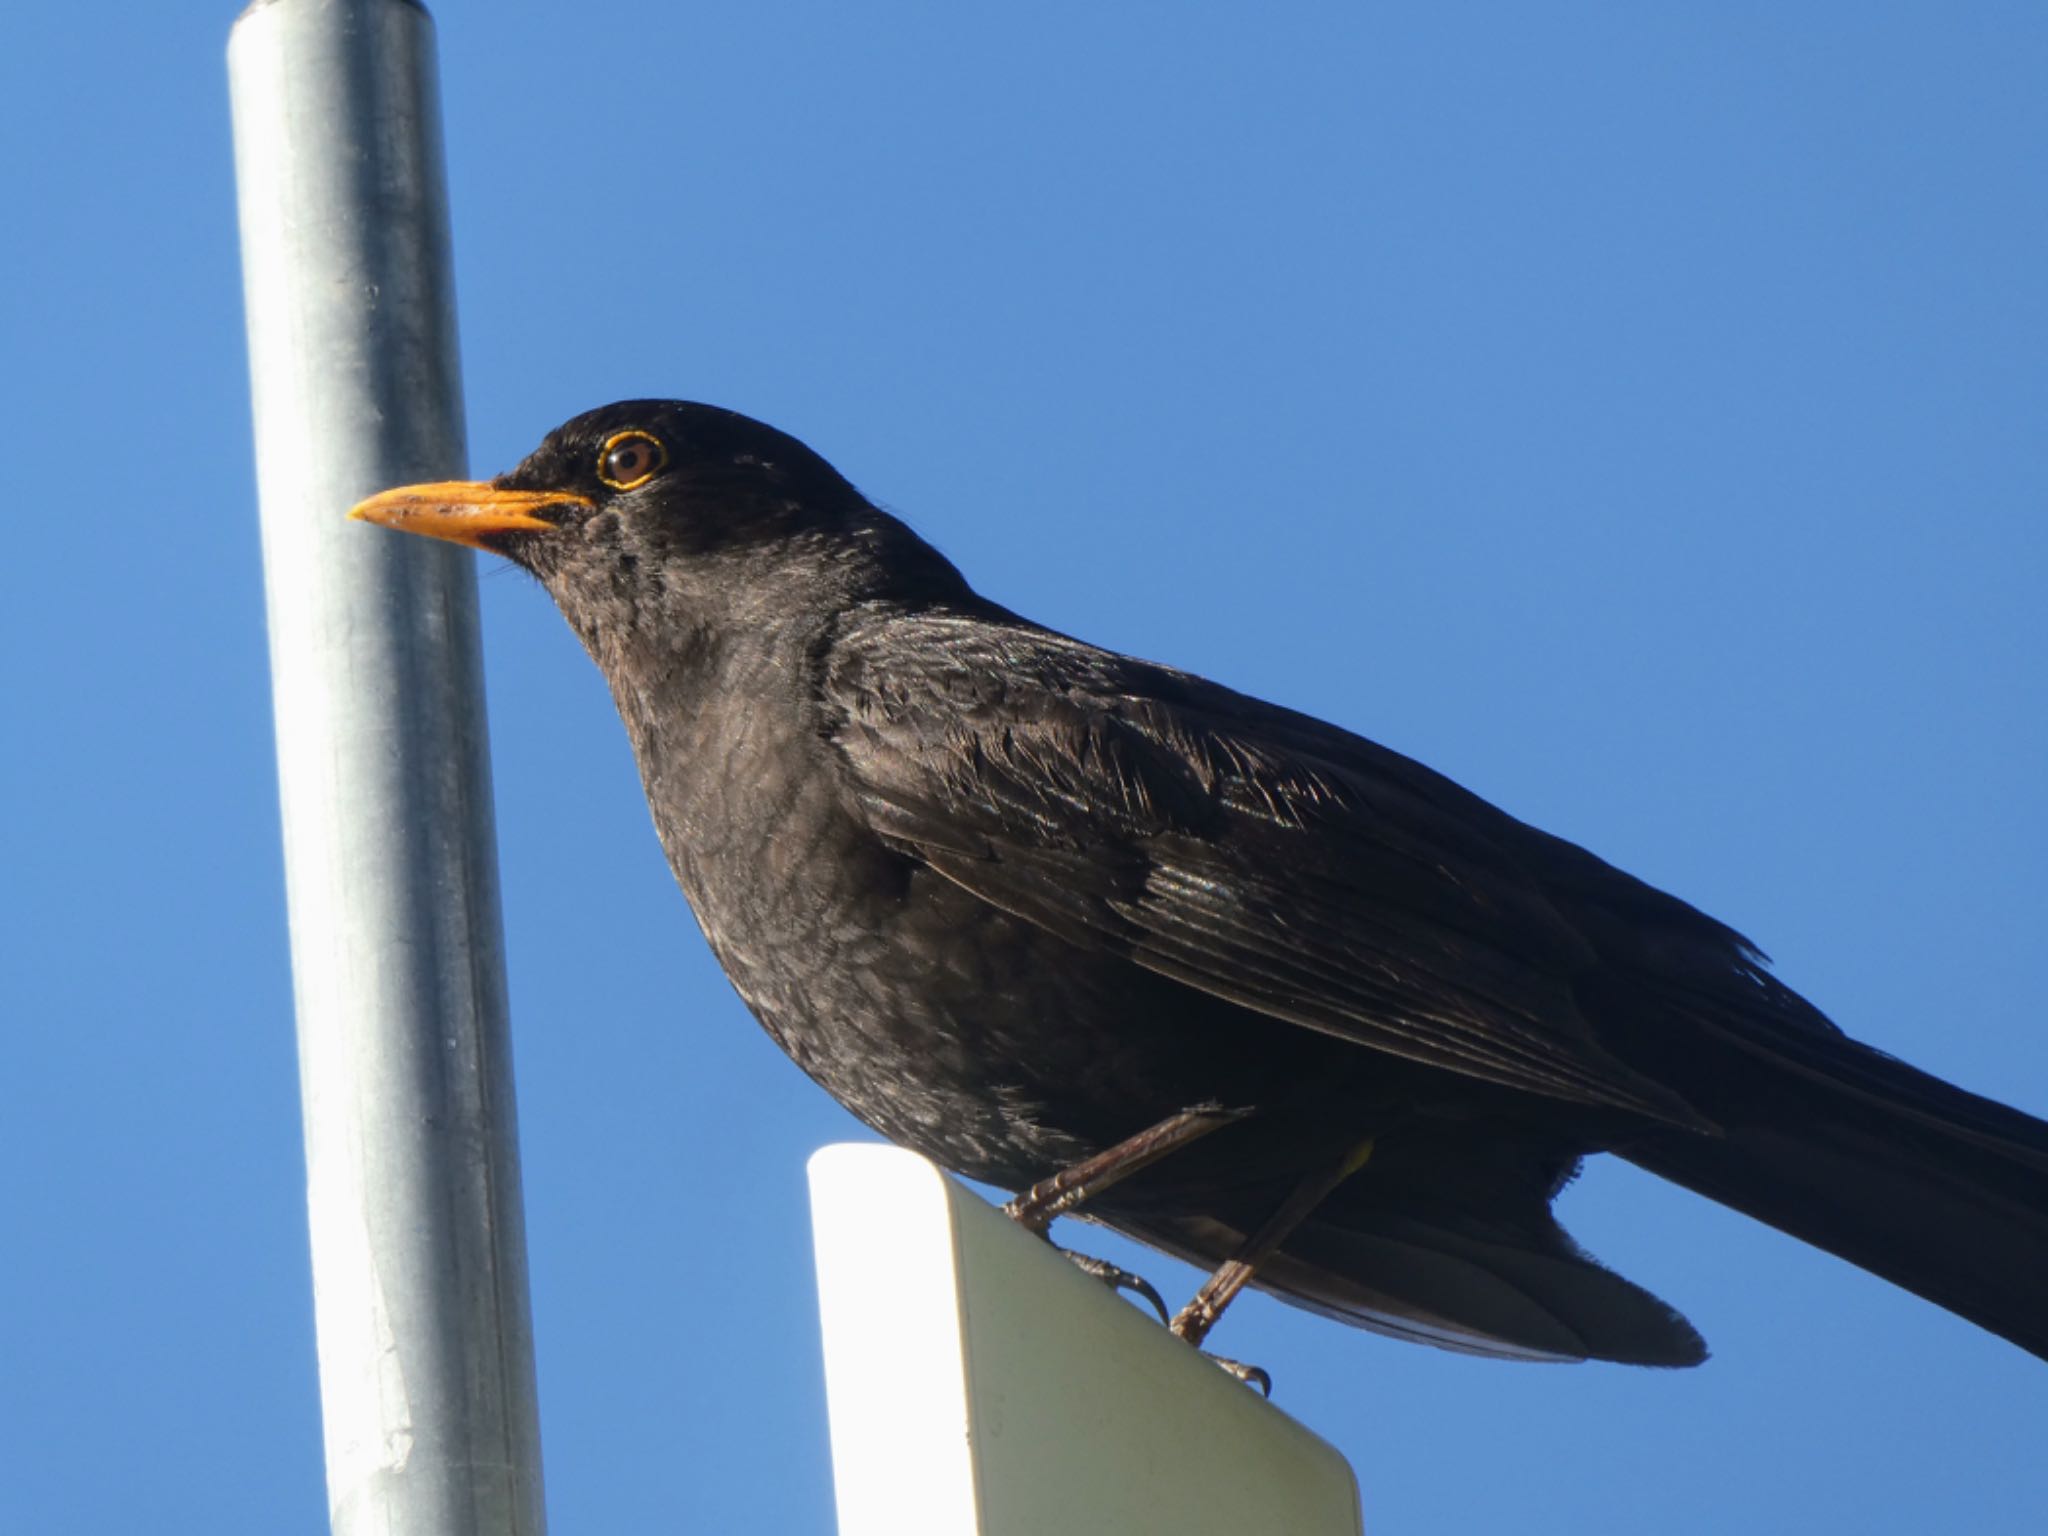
1929,1186
1432,1283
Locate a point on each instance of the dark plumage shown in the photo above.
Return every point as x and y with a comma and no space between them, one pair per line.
1012,899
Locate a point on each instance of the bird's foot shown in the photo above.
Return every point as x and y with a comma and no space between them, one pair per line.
1193,1322
1250,1375
1117,1279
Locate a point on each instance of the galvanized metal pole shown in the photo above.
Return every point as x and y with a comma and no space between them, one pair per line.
419,1271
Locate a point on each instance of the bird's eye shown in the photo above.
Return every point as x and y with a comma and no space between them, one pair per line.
630,459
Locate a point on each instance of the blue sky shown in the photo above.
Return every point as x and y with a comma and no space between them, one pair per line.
1634,411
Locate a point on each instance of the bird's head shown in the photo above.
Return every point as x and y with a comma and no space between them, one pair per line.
657,511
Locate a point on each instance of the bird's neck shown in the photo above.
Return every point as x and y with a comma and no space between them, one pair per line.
677,683
721,730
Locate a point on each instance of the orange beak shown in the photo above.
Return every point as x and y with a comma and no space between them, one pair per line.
466,511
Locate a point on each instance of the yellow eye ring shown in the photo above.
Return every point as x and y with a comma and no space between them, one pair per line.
628,460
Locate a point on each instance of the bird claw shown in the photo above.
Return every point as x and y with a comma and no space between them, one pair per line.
1250,1375
1116,1278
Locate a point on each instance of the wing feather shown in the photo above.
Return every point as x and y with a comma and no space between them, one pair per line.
1253,853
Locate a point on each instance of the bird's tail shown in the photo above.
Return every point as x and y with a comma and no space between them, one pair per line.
1446,1237
1931,1187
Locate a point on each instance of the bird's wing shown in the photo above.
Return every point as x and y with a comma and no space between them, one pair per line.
1257,854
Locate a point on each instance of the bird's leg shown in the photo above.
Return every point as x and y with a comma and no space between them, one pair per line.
1200,1315
1048,1198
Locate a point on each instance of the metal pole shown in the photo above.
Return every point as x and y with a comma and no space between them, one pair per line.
419,1271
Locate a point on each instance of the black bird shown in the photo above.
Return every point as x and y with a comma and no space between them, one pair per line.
1261,993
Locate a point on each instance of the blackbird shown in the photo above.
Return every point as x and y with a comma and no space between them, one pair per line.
1232,980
